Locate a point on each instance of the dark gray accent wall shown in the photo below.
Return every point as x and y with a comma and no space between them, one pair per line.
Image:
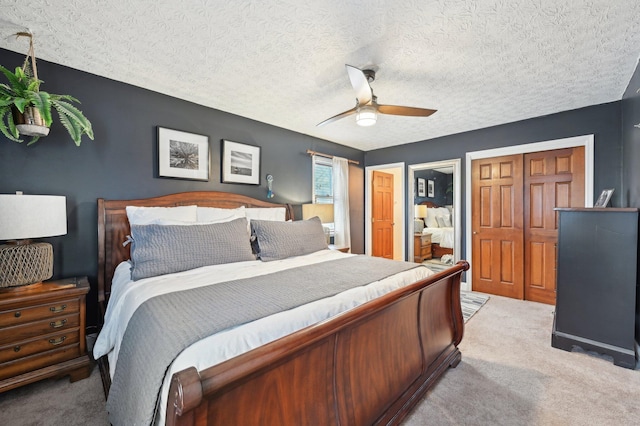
442,187
631,142
121,163
603,121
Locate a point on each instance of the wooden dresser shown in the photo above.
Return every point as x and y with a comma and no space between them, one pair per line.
42,333
421,247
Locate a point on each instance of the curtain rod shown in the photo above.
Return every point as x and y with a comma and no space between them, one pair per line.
310,152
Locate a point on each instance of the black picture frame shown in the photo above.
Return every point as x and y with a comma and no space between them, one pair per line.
604,198
430,188
182,155
240,163
422,191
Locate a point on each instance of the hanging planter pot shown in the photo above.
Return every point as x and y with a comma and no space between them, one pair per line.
26,110
29,122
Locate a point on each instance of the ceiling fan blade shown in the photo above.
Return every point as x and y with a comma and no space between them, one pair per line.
403,110
360,84
337,117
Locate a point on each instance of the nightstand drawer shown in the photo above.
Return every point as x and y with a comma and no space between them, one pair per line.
37,328
426,238
33,362
33,313
425,250
39,344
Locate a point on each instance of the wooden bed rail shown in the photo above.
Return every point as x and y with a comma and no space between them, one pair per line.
334,372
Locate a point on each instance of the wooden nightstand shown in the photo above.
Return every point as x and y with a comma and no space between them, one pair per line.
42,333
421,247
342,249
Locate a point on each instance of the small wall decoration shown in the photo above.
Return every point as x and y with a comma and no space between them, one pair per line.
430,190
240,163
604,198
422,191
182,155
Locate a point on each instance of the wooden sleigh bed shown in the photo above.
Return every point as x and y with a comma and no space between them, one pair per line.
368,365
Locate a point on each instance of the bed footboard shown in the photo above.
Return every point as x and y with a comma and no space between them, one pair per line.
369,365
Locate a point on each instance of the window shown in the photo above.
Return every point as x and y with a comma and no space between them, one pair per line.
322,180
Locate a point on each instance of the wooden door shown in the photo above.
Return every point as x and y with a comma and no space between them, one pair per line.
497,220
382,215
551,179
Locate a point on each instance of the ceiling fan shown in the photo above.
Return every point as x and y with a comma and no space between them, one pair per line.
367,107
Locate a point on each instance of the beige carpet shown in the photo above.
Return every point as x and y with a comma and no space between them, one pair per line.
509,375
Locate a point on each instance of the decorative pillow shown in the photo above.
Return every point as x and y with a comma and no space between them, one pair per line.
217,215
164,249
150,215
266,213
440,221
430,221
279,240
447,221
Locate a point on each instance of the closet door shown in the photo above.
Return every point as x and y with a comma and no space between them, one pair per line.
551,179
497,237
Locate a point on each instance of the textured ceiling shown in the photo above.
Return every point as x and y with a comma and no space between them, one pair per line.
479,63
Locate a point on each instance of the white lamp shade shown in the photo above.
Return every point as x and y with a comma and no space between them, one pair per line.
420,210
323,211
32,216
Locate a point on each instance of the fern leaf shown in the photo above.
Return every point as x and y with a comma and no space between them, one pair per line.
76,119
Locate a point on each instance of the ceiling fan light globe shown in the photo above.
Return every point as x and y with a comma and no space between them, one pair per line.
366,116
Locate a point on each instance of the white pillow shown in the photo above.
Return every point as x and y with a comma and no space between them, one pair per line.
430,220
447,221
154,215
217,215
440,220
266,213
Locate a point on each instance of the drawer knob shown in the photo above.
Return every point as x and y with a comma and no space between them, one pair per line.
58,324
55,342
58,308
18,314
16,348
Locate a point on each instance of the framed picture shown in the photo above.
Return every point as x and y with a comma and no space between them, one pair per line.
604,198
182,155
422,191
430,190
240,163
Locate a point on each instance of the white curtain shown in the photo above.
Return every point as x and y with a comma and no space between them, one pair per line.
342,228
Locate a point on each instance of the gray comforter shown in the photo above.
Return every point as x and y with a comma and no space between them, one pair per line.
165,325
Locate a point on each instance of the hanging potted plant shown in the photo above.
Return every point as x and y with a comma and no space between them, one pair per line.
25,110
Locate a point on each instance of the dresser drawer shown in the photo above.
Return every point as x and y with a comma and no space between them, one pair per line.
32,313
37,328
33,362
40,344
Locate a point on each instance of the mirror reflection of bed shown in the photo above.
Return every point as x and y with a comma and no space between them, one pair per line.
437,222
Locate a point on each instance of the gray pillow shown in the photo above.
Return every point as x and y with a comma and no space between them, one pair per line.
163,249
279,240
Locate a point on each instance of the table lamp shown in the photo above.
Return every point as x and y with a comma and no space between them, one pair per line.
23,217
323,211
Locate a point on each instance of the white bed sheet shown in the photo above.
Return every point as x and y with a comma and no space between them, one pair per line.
442,236
127,295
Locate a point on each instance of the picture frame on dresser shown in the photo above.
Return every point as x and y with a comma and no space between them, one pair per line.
604,198
182,155
240,163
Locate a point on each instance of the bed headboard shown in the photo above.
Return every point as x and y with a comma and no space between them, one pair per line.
429,204
113,225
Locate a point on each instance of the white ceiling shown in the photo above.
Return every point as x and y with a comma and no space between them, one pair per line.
479,63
